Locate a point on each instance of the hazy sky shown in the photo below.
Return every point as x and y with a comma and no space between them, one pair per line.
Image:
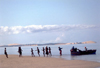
49,21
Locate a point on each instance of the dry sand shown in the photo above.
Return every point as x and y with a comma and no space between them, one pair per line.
43,62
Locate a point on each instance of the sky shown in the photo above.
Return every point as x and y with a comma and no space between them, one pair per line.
49,21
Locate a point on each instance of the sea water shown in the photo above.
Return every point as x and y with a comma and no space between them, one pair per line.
55,52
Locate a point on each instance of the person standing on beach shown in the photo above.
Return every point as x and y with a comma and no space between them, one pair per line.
60,50
50,51
20,51
43,51
38,51
47,51
32,52
5,52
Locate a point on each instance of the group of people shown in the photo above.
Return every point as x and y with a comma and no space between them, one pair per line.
76,49
46,50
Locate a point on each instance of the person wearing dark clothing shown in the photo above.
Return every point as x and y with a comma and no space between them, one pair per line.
20,51
60,50
32,52
50,51
43,51
73,48
38,51
5,52
47,51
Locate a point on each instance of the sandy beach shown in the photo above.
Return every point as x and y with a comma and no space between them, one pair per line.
14,61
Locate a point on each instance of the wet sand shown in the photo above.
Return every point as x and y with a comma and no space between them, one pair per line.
14,61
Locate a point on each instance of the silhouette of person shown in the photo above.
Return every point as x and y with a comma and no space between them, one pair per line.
5,52
38,51
32,52
85,49
43,51
73,48
47,51
20,51
60,50
50,51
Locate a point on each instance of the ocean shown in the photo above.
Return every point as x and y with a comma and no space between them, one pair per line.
55,52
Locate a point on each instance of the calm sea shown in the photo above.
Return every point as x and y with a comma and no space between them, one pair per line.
55,51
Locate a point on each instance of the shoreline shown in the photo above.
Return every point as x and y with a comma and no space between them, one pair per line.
14,61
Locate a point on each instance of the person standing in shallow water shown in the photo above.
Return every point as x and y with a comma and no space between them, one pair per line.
38,51
5,52
43,51
47,51
20,51
32,52
50,51
60,50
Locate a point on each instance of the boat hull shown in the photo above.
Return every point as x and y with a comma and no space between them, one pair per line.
83,52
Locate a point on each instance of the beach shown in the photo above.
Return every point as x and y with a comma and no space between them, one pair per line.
14,61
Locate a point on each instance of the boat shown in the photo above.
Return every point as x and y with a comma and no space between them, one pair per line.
84,52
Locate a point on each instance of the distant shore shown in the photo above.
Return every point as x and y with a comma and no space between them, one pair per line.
17,45
14,61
